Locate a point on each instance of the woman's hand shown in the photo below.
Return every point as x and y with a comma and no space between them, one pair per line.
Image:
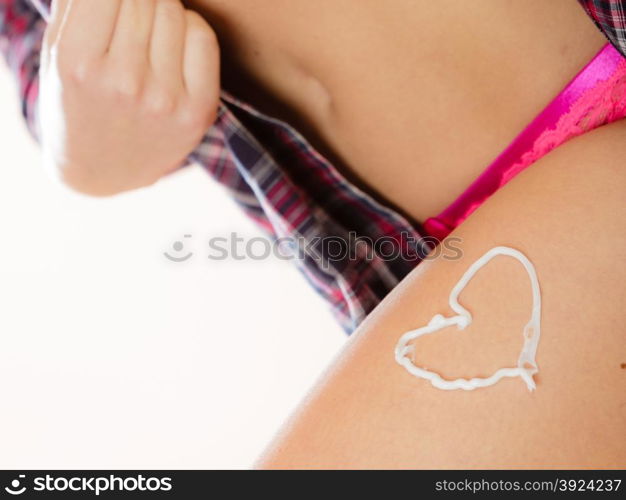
128,89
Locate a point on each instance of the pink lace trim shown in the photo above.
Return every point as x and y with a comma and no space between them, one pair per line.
595,97
600,105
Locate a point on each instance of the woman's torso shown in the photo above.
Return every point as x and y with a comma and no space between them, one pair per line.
414,98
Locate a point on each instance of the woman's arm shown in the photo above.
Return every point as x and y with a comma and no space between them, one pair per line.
128,90
119,91
567,214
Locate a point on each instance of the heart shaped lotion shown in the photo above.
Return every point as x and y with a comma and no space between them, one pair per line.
526,365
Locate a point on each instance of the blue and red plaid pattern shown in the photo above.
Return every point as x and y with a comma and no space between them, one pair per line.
279,180
282,182
610,17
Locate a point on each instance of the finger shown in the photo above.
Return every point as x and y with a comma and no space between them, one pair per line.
201,60
88,26
168,43
131,38
57,17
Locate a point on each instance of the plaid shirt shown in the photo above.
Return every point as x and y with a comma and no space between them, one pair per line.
610,18
351,248
283,183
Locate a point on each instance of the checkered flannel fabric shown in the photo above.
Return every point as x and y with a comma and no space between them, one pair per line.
350,247
610,17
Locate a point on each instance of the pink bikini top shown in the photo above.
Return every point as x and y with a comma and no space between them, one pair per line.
594,97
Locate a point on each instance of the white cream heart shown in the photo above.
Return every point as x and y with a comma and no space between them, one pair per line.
526,365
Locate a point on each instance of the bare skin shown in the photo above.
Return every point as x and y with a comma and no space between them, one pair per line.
414,98
123,103
567,214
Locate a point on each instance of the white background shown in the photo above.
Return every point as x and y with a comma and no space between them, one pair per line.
113,357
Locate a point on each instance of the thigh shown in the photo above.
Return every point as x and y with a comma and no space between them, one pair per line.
567,214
